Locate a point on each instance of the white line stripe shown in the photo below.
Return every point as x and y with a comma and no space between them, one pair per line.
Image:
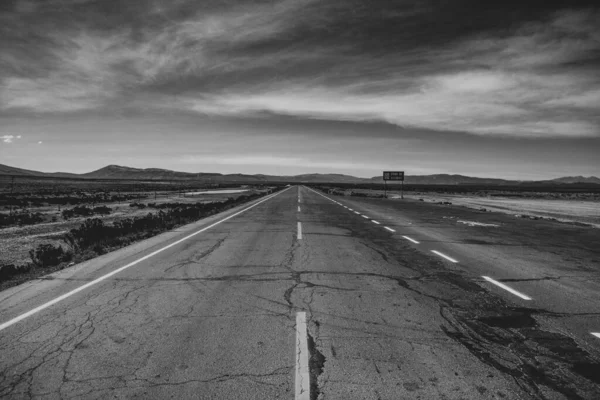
389,229
298,208
131,264
443,255
412,240
299,230
364,216
507,288
375,222
302,375
356,212
596,334
351,209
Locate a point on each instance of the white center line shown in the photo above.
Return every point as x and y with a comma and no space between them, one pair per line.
412,240
302,375
131,264
299,230
389,229
508,288
375,222
444,256
596,334
298,208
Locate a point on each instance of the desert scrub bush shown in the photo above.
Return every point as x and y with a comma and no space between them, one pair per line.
47,255
7,271
97,236
21,218
83,211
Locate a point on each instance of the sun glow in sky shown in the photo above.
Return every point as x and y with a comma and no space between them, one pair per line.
501,88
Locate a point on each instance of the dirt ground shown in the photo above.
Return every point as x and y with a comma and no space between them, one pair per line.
580,211
581,208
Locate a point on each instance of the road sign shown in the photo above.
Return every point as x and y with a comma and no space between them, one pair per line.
393,175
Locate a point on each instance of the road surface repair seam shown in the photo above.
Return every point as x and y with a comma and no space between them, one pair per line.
131,264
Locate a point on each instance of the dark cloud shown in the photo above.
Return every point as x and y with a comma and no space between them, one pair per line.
525,68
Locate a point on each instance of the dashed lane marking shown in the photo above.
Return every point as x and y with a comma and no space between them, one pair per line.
507,288
299,230
364,216
444,256
389,229
131,264
302,372
298,208
412,240
375,222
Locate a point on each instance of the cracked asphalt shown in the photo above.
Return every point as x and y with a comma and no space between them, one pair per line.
213,317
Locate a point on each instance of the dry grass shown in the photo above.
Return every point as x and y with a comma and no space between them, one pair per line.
15,242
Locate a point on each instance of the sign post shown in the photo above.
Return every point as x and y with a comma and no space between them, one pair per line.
394,176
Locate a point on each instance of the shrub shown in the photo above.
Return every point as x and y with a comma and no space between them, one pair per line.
47,255
21,218
85,211
8,271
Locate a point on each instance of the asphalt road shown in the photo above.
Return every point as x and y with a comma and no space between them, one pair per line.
216,309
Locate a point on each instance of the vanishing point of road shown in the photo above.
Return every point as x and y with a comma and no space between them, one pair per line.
304,295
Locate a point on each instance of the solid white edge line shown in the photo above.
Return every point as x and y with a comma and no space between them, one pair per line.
507,288
375,222
302,372
597,334
299,230
412,240
389,229
131,264
444,256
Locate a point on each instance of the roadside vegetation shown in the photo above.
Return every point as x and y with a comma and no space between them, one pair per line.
96,236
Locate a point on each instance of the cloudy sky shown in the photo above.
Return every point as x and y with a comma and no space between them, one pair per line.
507,88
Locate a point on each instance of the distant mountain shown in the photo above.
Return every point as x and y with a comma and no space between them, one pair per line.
158,174
577,179
120,172
445,179
7,170
324,178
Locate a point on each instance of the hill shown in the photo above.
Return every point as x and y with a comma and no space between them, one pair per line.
445,179
120,172
577,179
14,171
159,174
